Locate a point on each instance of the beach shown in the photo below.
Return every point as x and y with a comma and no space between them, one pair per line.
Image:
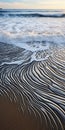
32,70
11,118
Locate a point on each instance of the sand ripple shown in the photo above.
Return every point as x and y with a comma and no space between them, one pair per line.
38,86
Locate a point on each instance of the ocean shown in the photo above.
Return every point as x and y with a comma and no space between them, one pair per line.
32,63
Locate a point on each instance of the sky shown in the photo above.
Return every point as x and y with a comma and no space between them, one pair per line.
33,4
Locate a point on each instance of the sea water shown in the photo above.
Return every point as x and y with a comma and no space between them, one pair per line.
33,30
32,64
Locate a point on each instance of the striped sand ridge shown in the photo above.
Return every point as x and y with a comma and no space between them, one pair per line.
38,86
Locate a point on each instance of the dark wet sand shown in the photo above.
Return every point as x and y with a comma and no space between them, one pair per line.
13,119
37,87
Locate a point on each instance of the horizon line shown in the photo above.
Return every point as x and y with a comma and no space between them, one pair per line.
35,8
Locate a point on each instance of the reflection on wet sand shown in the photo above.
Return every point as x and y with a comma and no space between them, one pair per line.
13,119
34,92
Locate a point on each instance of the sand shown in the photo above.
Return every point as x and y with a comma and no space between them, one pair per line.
11,118
32,93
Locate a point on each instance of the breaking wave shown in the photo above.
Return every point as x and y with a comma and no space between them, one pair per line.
31,14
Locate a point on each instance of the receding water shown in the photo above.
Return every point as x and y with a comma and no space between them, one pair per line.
32,64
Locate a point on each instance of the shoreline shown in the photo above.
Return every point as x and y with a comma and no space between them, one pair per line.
32,93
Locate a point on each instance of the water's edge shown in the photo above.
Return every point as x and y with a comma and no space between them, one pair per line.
38,86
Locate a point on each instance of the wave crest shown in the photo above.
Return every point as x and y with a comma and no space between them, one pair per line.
6,13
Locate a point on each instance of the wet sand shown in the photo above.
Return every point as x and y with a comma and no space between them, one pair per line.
11,118
32,92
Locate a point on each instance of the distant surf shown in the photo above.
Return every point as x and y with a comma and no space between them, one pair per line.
32,13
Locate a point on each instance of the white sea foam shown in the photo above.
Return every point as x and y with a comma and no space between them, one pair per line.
33,34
